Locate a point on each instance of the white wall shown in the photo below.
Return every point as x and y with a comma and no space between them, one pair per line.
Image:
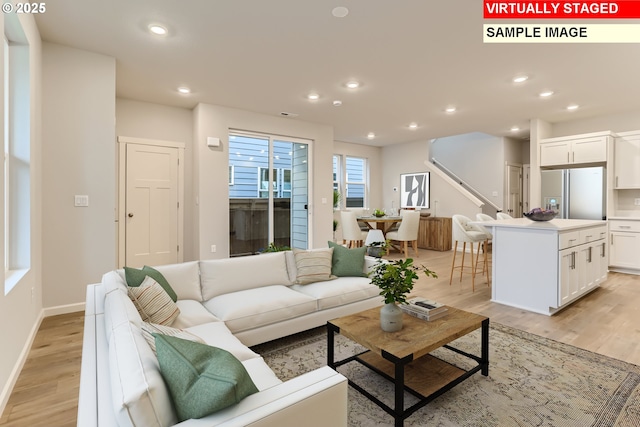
21,309
409,158
79,153
153,121
623,122
211,189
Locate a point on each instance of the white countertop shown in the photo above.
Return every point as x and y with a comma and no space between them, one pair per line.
554,224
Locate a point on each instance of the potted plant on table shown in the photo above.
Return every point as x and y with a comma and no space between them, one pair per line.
378,248
395,280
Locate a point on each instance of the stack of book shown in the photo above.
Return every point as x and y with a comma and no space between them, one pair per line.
424,309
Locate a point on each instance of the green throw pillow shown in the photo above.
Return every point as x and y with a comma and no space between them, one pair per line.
201,379
347,262
135,278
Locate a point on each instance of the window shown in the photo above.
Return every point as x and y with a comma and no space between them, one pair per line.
17,154
350,178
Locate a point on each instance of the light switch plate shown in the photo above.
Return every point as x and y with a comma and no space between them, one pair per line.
637,202
81,200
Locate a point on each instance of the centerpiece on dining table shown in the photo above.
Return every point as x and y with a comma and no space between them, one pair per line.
378,213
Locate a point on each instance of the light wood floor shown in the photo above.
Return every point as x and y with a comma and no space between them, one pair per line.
607,321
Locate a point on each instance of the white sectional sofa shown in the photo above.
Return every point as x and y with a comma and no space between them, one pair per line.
231,304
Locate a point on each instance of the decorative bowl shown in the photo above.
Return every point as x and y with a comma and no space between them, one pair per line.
541,216
378,213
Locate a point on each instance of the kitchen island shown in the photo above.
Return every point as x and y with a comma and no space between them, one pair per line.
544,266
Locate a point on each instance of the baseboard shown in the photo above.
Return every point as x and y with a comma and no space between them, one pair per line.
63,309
13,378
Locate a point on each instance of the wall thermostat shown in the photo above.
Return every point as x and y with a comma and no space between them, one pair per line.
213,142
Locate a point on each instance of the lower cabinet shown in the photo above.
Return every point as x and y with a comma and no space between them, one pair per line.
582,268
624,249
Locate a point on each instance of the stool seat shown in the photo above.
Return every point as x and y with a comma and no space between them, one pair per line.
466,232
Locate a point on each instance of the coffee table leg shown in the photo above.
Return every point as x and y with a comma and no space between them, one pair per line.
484,362
331,330
399,408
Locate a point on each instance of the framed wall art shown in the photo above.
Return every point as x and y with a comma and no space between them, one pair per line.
414,190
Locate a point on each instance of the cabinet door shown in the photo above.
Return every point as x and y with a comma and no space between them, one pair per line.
568,286
586,268
602,261
627,163
555,153
624,249
589,150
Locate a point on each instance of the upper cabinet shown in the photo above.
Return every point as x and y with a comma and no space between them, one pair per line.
627,160
575,150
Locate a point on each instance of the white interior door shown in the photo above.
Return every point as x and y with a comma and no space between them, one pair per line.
151,205
514,191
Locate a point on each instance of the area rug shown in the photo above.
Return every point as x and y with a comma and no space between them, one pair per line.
533,381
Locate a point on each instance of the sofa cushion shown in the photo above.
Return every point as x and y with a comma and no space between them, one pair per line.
260,306
138,393
153,303
192,313
313,265
184,278
222,276
148,329
347,262
341,291
260,373
201,379
136,277
218,335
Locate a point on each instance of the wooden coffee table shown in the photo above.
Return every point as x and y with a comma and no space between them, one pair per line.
403,357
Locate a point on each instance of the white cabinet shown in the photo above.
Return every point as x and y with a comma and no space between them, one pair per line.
582,262
574,150
627,161
624,244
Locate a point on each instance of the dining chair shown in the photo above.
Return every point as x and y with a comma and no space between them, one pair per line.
465,232
407,232
502,215
351,232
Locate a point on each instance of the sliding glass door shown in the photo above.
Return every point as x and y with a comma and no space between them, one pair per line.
268,192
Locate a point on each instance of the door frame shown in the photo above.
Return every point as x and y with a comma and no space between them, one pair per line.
122,192
507,188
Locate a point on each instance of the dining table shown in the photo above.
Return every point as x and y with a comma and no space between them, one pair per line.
384,223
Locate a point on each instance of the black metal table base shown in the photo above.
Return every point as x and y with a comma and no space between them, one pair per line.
399,412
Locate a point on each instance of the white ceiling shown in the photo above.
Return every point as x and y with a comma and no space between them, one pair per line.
413,57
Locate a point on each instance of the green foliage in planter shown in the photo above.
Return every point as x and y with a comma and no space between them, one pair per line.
396,278
275,248
335,225
336,199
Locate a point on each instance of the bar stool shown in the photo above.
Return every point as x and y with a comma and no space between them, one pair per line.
489,242
502,215
465,232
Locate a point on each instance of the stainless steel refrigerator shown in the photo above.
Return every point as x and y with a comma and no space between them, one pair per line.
577,193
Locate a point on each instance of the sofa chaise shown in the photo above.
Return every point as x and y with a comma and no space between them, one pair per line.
231,304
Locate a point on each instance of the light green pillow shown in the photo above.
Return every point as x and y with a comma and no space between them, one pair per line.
347,262
201,379
313,265
135,278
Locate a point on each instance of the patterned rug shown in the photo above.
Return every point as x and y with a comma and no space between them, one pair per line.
533,381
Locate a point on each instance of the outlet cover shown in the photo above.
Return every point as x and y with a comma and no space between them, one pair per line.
636,202
81,201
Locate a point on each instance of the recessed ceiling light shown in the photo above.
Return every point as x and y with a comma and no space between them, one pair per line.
353,84
413,125
313,96
158,30
546,93
520,79
337,103
450,109
572,107
184,90
340,12
515,129
371,135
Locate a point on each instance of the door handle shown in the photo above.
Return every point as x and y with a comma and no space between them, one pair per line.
130,215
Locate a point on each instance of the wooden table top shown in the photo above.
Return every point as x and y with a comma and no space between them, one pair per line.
417,337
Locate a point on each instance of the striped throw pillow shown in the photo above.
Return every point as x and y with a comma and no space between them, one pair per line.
313,265
153,328
153,303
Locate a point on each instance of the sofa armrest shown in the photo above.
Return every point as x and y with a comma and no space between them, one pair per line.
318,397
